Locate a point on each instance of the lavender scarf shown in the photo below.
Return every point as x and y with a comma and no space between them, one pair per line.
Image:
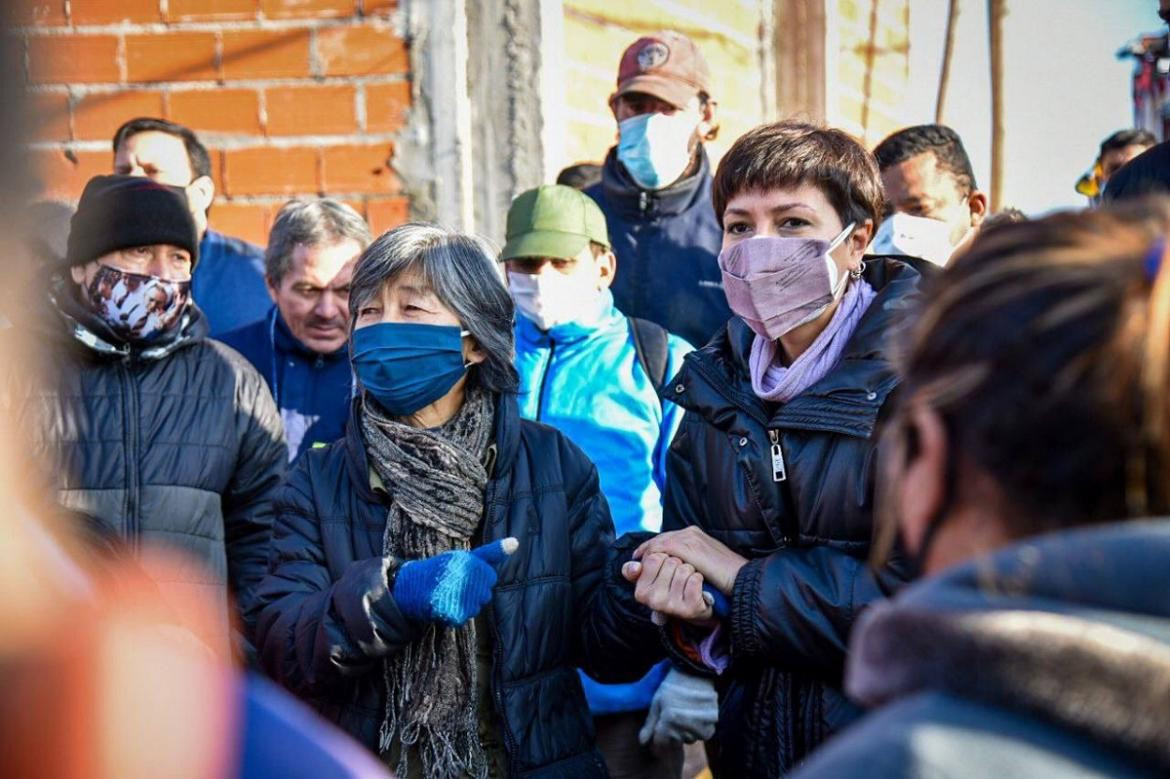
773,381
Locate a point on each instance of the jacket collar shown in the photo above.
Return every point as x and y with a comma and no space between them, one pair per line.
715,381
630,200
87,331
506,445
1071,626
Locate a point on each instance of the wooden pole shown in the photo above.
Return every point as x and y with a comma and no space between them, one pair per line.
997,10
944,77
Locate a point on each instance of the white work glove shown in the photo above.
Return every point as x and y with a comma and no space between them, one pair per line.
685,708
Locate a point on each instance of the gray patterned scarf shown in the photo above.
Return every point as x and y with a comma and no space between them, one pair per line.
436,481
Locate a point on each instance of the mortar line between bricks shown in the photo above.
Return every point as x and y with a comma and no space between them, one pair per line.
239,25
109,87
226,142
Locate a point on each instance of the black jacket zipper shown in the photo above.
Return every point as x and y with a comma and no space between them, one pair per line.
130,440
552,350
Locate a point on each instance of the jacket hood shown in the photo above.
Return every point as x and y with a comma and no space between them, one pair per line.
81,328
1073,627
715,381
506,439
627,197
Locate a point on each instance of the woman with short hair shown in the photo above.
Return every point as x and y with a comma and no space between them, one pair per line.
435,578
770,483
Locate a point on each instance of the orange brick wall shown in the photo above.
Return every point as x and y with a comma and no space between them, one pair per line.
293,97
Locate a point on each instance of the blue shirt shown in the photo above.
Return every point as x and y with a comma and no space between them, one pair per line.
228,283
585,380
311,390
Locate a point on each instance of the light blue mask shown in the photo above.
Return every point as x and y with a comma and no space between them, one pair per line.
407,366
655,148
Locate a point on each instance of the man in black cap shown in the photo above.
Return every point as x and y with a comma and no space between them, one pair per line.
170,439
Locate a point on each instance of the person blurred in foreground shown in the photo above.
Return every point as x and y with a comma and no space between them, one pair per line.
1034,419
770,479
300,346
436,577
169,437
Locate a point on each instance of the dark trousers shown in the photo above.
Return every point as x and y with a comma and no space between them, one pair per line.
617,738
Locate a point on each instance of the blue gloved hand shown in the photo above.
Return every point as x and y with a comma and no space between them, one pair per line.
450,587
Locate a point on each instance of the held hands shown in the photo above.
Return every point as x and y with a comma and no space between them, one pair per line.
684,574
451,587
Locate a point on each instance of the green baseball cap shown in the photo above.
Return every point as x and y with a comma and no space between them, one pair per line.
553,221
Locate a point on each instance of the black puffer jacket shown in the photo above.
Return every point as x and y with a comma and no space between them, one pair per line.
807,536
177,446
329,619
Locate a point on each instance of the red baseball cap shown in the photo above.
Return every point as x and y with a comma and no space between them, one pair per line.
666,65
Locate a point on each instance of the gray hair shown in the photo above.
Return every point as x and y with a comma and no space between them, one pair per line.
316,222
462,271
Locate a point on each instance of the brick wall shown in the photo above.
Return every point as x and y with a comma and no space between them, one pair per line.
598,31
293,97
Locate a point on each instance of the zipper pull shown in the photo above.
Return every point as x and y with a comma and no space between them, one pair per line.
779,472
643,201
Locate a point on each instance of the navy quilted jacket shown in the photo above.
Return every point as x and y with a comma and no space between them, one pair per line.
667,246
328,617
178,445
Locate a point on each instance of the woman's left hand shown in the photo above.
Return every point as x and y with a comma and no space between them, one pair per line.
718,564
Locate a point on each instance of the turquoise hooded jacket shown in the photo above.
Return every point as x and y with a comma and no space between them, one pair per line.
584,378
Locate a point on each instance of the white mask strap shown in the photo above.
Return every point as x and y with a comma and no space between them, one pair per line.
841,237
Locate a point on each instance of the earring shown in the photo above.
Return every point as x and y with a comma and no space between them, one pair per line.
855,273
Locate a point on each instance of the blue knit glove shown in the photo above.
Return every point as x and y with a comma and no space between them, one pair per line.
450,587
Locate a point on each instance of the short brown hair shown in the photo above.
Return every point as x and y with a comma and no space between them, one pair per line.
788,154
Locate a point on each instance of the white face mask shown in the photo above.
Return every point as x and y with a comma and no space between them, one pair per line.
552,298
915,236
656,148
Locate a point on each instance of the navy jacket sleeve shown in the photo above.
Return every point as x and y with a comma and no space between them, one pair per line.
617,642
314,634
247,501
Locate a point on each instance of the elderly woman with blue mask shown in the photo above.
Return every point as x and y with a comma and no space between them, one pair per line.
436,576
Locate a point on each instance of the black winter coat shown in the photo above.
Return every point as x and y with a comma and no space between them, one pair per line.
807,536
329,618
667,245
178,445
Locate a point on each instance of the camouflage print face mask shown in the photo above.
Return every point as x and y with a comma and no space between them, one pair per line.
136,307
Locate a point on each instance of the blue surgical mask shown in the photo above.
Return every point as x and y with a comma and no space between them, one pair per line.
656,148
407,366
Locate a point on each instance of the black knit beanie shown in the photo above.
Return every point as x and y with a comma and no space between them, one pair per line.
122,212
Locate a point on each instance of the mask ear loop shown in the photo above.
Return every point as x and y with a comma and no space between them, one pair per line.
852,275
466,334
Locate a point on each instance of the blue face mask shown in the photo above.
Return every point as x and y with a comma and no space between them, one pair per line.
656,148
407,366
